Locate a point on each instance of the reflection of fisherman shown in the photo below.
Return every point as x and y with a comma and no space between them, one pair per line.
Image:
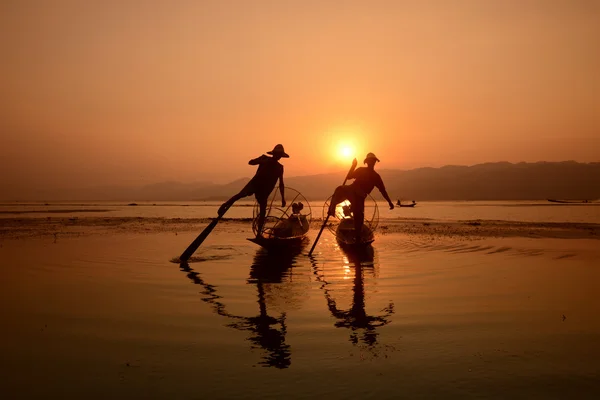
266,332
356,318
365,179
295,225
263,182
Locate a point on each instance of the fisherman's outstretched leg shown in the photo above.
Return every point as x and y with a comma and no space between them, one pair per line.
340,194
245,192
225,206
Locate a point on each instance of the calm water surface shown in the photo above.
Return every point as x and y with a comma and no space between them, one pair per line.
111,317
531,211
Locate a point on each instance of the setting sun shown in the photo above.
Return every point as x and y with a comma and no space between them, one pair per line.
346,152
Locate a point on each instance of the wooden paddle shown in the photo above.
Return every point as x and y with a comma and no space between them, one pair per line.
327,218
201,237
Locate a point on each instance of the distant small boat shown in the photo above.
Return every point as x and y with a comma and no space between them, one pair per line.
569,201
399,204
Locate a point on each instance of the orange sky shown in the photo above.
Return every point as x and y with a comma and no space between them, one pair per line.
134,92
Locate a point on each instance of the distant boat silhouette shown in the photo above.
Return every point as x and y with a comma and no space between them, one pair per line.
569,201
399,204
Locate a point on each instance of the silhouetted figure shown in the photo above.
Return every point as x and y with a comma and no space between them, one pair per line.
263,182
365,179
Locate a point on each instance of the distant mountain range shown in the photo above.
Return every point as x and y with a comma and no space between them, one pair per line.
489,181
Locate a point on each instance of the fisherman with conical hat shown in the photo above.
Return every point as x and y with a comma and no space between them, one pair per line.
365,179
263,182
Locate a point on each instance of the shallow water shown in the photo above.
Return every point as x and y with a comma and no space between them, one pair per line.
110,316
531,211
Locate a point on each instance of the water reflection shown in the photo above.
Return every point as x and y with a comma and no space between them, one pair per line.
267,332
362,326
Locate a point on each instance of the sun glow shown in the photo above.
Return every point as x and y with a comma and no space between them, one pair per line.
346,152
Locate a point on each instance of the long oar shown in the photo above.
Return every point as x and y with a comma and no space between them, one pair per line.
327,218
201,237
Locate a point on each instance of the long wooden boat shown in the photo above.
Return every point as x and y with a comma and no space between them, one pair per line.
346,237
569,201
284,229
280,244
344,231
355,246
361,250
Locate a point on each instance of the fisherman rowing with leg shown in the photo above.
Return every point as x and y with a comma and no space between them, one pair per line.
263,182
365,179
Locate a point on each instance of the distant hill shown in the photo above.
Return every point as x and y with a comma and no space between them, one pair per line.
490,181
497,181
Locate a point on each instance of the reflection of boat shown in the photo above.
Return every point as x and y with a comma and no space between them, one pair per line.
399,204
285,227
570,201
266,332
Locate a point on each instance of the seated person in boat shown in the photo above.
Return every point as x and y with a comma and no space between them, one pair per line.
262,184
294,226
365,180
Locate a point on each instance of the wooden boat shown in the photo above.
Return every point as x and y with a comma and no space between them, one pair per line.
342,225
285,228
356,248
569,201
399,204
280,244
345,234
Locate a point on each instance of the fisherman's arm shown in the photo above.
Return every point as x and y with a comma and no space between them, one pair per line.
351,174
258,160
282,188
384,193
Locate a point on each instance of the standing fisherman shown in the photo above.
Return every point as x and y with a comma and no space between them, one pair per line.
263,182
365,179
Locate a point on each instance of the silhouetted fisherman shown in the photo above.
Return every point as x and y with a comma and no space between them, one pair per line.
262,184
365,179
